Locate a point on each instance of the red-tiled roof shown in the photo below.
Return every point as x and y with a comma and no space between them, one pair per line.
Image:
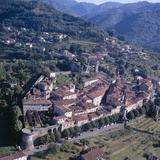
81,117
92,154
65,102
14,156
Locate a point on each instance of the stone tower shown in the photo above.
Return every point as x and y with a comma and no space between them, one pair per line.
27,139
97,66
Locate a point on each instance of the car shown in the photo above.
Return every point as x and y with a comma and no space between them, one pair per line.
91,130
104,126
80,134
69,138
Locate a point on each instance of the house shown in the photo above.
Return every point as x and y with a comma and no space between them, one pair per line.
96,96
89,107
58,120
18,44
70,122
89,81
103,112
62,94
45,85
89,55
77,110
113,109
42,105
29,45
92,153
93,116
146,86
65,103
81,119
61,110
22,155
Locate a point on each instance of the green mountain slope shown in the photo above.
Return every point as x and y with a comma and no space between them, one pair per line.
43,17
137,22
143,28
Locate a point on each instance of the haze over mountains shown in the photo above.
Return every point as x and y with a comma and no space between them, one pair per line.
137,22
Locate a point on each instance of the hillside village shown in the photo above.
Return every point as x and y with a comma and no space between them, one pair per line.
100,97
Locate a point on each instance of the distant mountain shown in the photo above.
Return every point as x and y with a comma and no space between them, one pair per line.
83,8
143,28
80,9
137,22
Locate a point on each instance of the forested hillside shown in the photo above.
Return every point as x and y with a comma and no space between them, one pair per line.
42,17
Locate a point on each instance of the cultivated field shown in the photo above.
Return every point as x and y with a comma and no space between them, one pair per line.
135,142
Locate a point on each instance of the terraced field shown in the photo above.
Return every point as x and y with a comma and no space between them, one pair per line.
135,142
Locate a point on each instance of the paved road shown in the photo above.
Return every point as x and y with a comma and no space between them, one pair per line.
84,135
94,132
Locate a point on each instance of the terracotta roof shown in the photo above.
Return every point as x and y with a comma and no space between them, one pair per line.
93,115
59,118
144,80
64,109
85,99
90,79
86,105
36,102
15,155
102,112
95,94
92,154
81,117
65,102
130,102
62,93
46,82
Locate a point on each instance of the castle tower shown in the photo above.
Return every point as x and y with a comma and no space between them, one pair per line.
97,66
27,139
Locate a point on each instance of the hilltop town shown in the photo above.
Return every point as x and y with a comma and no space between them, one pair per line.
99,97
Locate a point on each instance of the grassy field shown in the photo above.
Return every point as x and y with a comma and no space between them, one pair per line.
134,142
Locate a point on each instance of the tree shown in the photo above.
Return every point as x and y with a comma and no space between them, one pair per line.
16,111
146,108
42,140
142,110
77,129
157,101
3,104
72,131
47,138
66,133
18,89
53,148
84,142
93,124
130,115
52,137
57,135
101,121
111,119
136,113
106,120
152,111
17,125
65,147
87,126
